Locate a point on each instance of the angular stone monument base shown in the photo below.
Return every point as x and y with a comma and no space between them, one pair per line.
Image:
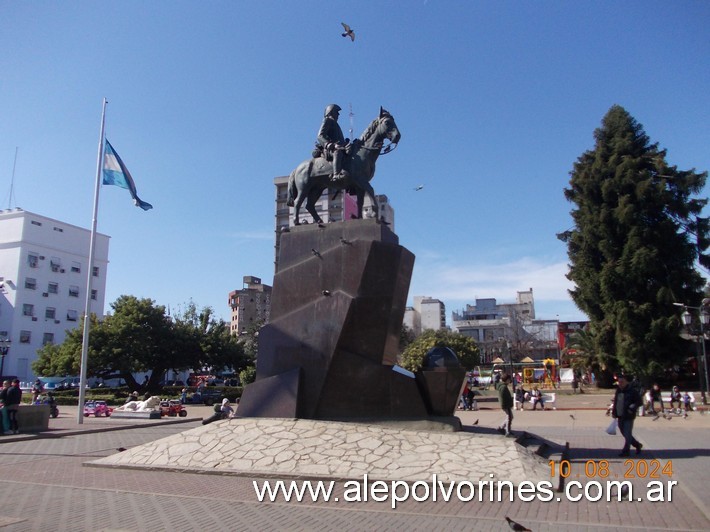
332,339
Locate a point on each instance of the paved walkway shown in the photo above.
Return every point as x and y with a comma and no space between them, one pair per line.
47,486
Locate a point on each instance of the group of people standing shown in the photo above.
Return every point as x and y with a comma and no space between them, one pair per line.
10,399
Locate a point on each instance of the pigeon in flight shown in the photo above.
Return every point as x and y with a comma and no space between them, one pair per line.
418,188
516,526
348,32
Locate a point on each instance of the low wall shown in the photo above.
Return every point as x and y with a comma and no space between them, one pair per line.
33,418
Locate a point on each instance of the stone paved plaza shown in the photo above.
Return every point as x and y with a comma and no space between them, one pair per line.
48,482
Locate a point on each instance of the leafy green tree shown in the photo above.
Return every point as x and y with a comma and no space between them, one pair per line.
465,348
637,235
583,355
210,340
138,336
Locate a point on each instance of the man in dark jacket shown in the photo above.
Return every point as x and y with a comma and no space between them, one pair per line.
626,402
331,139
506,403
12,403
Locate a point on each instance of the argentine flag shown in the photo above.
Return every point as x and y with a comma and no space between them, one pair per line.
116,173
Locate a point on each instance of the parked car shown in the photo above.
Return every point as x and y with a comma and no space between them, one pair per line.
97,409
172,408
209,396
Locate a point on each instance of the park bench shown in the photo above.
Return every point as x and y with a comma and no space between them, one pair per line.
548,399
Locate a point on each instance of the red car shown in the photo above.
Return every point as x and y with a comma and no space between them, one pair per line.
97,408
172,408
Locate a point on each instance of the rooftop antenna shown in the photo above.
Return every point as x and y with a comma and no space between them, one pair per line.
12,181
352,116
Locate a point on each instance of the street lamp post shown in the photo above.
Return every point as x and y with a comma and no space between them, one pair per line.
704,319
4,348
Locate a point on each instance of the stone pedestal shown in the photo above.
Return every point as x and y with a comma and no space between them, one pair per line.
337,306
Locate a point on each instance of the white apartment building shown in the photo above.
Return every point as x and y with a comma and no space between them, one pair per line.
331,207
43,278
427,313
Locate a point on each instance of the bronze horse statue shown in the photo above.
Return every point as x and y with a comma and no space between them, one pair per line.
310,178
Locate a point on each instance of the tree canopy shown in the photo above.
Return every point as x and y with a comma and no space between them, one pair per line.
138,336
638,232
465,348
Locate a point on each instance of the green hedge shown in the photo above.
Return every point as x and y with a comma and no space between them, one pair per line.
118,396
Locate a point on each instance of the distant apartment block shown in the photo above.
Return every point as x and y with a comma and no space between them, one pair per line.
427,313
43,279
332,206
508,329
250,306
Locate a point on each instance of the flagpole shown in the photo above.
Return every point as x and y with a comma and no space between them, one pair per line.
90,274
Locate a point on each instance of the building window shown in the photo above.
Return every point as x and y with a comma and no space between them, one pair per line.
50,313
25,337
30,283
94,294
95,271
55,264
35,222
28,310
33,260
76,267
72,315
53,288
73,291
59,229
48,338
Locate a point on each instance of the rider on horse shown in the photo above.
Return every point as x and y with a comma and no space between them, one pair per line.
331,143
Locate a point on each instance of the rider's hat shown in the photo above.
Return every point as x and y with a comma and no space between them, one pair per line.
332,107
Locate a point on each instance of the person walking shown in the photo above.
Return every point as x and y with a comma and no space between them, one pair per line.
506,403
626,403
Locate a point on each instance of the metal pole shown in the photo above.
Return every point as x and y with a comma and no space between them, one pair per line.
705,364
89,274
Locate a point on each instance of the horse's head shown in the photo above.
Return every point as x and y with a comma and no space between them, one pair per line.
383,127
389,126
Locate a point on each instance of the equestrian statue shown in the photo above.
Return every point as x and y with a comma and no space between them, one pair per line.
340,164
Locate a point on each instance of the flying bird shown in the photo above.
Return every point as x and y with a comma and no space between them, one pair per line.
418,188
315,252
348,32
572,416
121,449
475,422
516,526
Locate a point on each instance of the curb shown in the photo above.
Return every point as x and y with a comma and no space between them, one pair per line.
60,433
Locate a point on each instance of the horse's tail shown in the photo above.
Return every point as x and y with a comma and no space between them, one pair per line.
292,190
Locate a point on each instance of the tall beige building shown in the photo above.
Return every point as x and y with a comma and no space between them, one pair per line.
427,313
250,306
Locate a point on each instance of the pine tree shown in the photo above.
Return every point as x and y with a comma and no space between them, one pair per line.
638,234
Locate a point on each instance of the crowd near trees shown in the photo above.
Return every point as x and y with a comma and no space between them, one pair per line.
138,336
637,237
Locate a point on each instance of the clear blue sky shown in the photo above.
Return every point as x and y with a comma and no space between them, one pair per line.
209,101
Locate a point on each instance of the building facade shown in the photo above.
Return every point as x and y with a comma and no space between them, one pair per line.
43,280
250,306
332,206
427,313
508,330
